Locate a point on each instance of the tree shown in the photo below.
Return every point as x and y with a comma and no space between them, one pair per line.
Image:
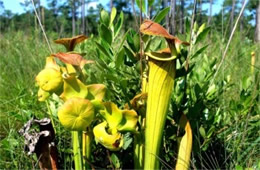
230,7
257,30
242,19
172,18
182,17
125,6
53,6
167,19
210,11
232,15
1,12
83,29
73,13
199,14
1,7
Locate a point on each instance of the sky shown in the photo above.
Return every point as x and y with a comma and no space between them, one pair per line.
15,7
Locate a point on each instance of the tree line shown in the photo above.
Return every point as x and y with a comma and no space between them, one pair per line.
71,17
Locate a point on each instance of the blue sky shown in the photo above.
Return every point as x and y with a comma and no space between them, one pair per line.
15,7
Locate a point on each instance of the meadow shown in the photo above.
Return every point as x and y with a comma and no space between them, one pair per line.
222,105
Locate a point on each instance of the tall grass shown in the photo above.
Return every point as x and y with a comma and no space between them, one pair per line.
22,57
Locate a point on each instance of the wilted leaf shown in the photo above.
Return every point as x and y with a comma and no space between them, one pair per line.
41,142
151,28
138,101
70,43
72,58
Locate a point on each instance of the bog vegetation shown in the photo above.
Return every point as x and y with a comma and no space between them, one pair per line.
137,86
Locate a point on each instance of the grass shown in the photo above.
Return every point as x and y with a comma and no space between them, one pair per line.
22,57
237,134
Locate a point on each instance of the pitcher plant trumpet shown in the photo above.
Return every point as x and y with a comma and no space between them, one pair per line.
162,72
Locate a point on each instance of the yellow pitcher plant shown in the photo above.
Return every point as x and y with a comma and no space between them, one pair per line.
162,72
85,113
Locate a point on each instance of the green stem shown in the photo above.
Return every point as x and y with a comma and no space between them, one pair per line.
161,80
51,115
139,137
76,136
87,139
138,151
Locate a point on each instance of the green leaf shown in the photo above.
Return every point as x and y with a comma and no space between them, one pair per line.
119,23
136,40
202,132
187,25
106,46
195,27
127,141
202,35
115,161
198,52
130,54
103,50
112,15
121,43
246,82
104,16
105,33
138,2
150,2
129,39
161,15
238,167
201,28
182,72
133,40
120,58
